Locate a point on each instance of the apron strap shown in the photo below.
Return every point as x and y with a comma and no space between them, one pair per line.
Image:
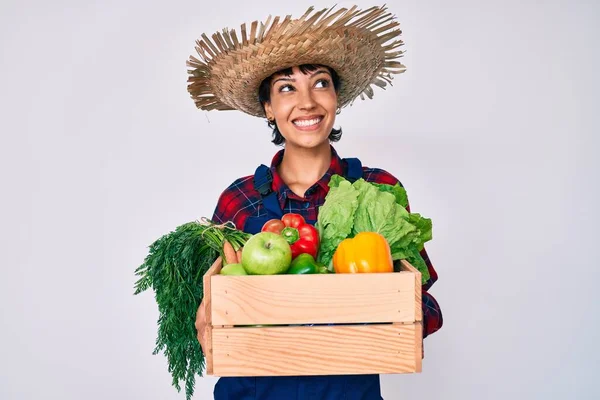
263,177
354,170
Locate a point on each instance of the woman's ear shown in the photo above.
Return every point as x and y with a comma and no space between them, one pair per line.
269,111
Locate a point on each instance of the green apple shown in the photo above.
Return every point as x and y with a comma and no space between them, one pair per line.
266,253
233,269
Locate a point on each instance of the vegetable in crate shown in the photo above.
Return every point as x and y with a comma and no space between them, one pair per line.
174,269
365,252
302,237
306,264
351,208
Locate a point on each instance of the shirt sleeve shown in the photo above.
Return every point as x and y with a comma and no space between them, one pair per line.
234,204
432,313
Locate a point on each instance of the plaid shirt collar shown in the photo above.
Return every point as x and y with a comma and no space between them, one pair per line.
283,191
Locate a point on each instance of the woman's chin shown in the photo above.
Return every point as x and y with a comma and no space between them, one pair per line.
311,144
309,139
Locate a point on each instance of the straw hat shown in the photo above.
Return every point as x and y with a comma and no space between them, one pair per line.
361,46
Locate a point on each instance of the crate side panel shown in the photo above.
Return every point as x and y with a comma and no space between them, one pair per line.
322,298
322,350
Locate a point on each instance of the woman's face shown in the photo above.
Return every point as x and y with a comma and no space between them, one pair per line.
303,107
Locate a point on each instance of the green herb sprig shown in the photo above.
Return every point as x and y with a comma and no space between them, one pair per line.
174,268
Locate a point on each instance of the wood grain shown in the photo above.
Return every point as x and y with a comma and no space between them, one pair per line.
315,350
418,346
206,281
406,266
319,298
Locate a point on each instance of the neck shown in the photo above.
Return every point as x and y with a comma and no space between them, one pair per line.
303,167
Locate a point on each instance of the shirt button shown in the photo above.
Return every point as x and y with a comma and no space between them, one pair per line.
306,204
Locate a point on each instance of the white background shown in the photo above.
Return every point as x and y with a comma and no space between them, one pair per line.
492,130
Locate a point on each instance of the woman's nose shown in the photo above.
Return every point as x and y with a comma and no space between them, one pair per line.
306,100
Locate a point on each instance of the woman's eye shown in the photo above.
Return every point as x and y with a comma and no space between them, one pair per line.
322,83
286,88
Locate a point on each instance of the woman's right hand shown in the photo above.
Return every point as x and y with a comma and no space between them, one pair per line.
201,326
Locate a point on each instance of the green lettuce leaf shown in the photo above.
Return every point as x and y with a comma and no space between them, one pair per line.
416,260
378,212
336,218
398,191
424,226
335,180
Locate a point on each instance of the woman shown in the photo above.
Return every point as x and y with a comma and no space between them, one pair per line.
300,102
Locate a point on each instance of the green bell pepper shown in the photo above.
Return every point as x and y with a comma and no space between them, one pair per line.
306,264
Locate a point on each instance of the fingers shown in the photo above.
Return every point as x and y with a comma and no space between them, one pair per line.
200,317
201,340
201,325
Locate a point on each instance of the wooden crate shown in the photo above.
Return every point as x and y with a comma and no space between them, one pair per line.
324,324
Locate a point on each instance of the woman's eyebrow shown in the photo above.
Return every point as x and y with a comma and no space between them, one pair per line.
288,79
321,71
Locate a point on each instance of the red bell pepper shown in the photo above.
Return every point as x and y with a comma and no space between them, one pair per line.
302,237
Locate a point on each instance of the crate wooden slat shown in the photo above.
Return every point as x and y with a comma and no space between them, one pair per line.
316,350
366,323
406,266
303,299
214,270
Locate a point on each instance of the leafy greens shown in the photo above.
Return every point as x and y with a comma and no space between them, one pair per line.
173,270
362,206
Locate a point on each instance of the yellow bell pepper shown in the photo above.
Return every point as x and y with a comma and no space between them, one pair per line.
366,252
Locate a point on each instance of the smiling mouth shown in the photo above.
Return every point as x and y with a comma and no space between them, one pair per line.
307,122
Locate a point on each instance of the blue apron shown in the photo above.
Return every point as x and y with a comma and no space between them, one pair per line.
336,387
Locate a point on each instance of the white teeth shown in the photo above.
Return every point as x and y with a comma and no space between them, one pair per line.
307,122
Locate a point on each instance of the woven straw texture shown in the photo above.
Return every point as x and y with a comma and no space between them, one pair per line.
361,46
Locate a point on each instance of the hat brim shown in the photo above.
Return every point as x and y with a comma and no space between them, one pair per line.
353,43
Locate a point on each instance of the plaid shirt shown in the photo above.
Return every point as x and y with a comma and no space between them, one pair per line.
240,201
